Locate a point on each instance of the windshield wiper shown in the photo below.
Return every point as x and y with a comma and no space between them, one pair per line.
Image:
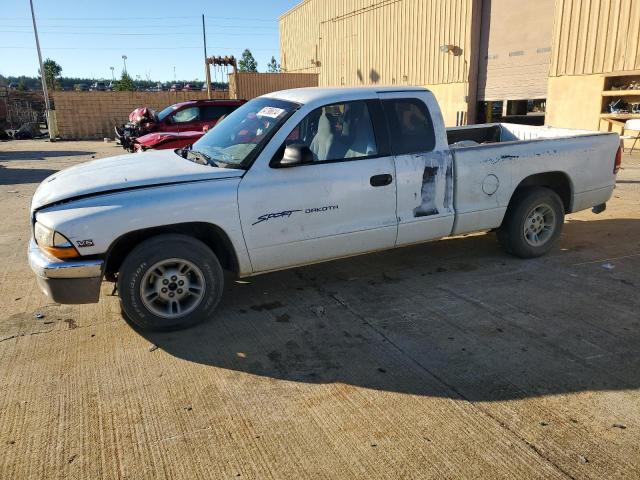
197,156
224,161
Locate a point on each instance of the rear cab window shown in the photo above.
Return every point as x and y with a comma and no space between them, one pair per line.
410,126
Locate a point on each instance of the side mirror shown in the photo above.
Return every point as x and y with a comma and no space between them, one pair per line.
296,154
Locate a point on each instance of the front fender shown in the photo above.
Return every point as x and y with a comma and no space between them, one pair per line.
93,224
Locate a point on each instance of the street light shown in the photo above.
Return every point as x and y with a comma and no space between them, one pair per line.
124,59
113,75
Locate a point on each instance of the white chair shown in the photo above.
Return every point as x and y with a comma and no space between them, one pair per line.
631,125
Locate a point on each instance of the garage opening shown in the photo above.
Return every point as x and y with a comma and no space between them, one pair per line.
525,112
514,58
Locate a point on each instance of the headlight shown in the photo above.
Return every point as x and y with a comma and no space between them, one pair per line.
54,243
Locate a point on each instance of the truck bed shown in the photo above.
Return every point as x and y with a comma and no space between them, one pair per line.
502,156
473,135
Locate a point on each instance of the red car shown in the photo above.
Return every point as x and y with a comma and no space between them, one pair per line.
190,116
166,140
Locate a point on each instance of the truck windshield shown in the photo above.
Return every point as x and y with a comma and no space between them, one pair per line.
234,140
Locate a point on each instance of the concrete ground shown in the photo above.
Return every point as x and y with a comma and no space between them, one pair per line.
446,360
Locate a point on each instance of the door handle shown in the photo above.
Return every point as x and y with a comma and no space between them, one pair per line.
381,180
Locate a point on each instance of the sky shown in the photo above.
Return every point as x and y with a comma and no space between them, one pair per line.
88,37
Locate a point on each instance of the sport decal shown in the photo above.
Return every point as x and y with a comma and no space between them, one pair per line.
269,216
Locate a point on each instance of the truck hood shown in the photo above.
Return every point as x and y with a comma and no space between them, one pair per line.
125,172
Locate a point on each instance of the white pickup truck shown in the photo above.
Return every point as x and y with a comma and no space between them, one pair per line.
303,176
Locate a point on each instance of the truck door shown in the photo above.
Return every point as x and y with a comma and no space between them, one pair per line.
343,203
424,167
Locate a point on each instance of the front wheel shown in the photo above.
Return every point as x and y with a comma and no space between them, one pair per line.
170,282
533,223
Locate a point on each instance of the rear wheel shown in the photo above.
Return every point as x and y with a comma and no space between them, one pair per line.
170,282
533,223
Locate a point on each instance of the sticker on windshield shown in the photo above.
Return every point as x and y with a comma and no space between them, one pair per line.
271,112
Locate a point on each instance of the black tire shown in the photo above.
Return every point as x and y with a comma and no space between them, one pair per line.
511,235
136,267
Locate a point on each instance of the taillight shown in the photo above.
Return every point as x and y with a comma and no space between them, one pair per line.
618,162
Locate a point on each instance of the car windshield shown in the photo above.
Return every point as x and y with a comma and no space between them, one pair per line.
165,113
242,133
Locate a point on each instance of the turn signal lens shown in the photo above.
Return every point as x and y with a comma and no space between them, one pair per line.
61,253
54,243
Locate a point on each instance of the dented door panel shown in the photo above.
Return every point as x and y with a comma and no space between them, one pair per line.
425,196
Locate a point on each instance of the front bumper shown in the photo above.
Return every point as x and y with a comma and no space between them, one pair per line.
75,281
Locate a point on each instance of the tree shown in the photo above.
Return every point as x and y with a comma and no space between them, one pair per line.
273,66
51,73
22,85
125,84
247,63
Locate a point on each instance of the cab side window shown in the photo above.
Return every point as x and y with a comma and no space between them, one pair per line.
336,132
214,112
190,114
410,126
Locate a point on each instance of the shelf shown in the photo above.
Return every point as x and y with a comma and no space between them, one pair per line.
621,93
628,73
619,116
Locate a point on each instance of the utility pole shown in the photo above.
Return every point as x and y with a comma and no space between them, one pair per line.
207,73
51,121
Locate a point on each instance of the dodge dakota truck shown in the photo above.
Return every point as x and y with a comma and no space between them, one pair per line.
303,176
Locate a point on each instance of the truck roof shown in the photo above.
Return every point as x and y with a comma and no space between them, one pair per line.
210,101
336,94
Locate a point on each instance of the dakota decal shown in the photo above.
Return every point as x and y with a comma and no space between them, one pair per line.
321,209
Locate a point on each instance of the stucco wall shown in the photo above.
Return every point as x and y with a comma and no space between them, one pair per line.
251,85
592,39
575,101
386,42
86,115
596,36
354,42
450,97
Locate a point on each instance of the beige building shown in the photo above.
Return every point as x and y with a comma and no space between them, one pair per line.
483,59
595,63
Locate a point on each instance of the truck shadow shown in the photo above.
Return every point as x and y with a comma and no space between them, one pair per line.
456,318
17,176
40,154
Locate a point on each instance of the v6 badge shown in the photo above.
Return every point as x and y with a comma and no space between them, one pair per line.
85,243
